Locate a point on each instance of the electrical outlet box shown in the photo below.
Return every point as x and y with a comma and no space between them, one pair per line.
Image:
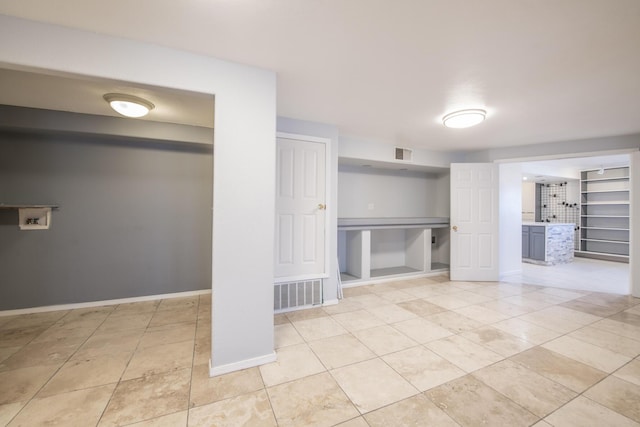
34,218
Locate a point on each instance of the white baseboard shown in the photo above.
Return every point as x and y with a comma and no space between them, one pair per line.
103,302
376,280
331,302
242,364
510,273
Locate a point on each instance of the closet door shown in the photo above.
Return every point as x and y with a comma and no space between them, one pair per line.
300,209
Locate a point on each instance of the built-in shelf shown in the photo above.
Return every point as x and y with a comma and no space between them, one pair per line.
389,223
619,202
603,256
626,242
604,218
439,266
606,228
385,248
393,271
618,178
605,191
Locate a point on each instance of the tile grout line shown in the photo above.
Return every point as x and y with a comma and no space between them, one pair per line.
128,362
61,365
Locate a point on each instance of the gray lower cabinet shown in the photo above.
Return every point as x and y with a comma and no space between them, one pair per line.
533,242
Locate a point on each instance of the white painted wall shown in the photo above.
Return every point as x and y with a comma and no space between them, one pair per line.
244,163
558,149
443,195
528,201
388,248
634,232
510,229
356,148
367,192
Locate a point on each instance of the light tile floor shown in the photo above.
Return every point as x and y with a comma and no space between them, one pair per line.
583,273
416,352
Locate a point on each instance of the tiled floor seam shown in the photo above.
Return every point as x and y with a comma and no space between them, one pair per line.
61,365
193,357
578,394
581,394
487,385
128,362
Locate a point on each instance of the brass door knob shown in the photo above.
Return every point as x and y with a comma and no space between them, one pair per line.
454,228
322,206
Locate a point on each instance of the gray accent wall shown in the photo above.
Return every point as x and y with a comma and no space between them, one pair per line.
135,218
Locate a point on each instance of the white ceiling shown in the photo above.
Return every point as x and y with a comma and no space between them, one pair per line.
84,95
389,70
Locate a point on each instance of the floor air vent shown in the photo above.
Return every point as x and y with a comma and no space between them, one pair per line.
297,294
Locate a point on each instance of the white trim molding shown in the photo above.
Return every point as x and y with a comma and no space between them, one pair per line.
386,279
300,278
214,371
102,303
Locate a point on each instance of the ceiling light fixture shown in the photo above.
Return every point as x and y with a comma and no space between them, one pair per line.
464,118
129,105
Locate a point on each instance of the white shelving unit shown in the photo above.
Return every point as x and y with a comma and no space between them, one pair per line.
604,214
375,249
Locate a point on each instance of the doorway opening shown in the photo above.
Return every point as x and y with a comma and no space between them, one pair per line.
593,194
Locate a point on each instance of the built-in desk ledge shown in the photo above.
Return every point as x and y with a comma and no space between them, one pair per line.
32,217
401,222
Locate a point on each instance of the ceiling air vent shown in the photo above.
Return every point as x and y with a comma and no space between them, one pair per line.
403,154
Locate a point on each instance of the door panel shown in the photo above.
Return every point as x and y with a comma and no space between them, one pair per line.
300,229
474,221
537,242
285,237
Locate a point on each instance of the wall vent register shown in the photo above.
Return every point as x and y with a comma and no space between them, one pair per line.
403,154
295,295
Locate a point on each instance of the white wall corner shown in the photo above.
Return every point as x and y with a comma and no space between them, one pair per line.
510,210
506,274
634,234
215,371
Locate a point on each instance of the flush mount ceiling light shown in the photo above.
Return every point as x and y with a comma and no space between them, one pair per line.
129,105
464,118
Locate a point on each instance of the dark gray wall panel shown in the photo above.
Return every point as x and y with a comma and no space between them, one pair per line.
134,218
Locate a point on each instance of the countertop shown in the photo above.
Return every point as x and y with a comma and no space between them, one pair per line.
405,222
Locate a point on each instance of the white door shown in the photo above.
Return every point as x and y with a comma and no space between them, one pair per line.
300,209
474,221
